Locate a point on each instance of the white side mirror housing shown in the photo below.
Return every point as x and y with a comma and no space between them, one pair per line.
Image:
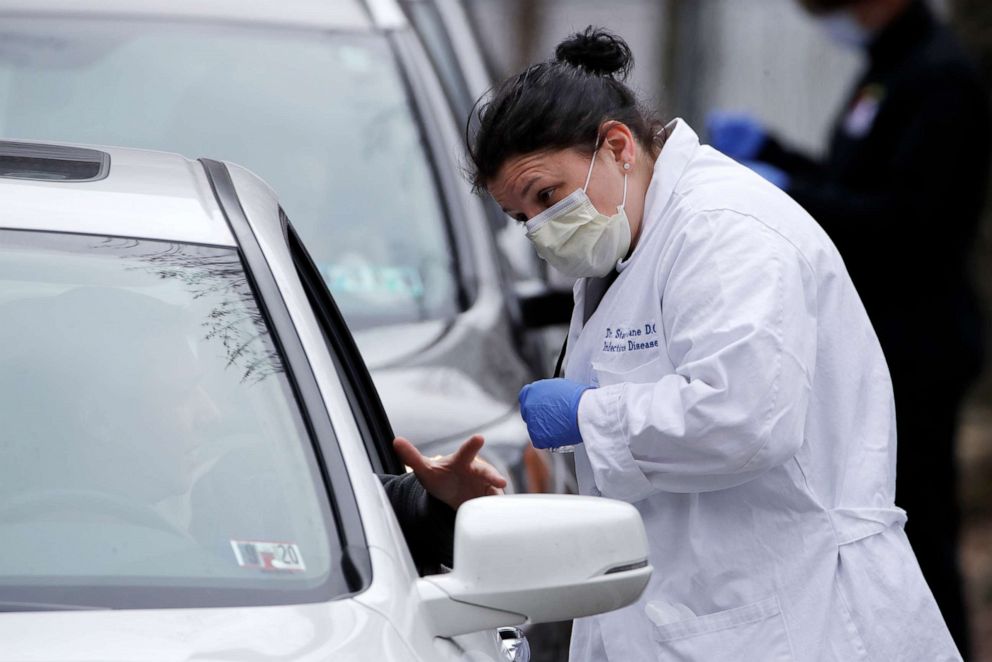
538,558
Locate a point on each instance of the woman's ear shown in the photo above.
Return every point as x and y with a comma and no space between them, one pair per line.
620,142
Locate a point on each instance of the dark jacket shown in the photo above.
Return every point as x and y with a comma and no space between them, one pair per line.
901,192
428,524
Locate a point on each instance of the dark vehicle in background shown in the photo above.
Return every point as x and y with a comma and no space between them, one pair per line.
338,107
541,297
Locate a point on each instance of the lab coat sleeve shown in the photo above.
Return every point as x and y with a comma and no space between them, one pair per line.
739,314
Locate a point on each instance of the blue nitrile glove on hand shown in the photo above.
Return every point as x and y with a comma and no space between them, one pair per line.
737,135
550,407
776,176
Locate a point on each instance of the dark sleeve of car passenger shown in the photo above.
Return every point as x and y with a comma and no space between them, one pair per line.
427,523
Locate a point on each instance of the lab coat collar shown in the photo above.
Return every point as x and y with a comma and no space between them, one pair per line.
675,155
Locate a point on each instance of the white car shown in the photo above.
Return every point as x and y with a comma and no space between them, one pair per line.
190,443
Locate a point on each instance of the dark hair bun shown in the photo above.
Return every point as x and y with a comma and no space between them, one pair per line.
598,51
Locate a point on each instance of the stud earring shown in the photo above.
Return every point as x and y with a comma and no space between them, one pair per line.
626,166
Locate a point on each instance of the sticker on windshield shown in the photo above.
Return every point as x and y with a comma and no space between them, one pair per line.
268,556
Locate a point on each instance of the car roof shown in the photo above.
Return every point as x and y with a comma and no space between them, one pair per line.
360,15
145,194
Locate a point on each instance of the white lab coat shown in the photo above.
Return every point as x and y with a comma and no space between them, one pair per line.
745,408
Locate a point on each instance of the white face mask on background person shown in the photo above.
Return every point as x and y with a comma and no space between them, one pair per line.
577,240
843,28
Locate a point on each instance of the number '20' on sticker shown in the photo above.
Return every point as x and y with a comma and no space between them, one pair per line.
268,556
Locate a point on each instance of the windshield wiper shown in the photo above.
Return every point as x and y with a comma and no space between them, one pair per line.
8,605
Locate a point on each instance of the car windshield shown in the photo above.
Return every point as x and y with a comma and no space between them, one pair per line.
153,451
324,117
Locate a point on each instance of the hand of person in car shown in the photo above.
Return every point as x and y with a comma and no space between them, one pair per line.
455,478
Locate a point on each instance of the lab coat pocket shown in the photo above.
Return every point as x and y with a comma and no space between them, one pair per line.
752,633
608,373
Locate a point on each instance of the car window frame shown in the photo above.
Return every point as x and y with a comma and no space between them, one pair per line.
356,562
363,398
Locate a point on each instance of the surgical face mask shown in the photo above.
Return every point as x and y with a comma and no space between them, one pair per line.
843,28
576,239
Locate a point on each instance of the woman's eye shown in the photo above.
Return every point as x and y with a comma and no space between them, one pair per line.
545,196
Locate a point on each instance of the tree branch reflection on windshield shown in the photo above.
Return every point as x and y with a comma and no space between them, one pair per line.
217,276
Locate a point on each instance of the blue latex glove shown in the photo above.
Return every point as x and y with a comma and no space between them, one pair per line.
776,176
737,135
550,407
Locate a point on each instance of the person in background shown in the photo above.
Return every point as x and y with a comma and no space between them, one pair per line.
900,192
721,375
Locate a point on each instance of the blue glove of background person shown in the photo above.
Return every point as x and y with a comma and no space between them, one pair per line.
737,135
550,407
776,176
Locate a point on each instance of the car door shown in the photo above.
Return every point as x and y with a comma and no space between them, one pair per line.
374,423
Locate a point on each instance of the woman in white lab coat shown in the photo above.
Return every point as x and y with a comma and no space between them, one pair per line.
728,383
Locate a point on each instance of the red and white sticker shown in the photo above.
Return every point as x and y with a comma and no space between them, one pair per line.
268,556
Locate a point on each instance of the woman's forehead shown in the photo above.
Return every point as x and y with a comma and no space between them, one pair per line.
519,171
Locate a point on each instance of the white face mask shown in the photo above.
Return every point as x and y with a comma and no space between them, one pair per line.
843,28
576,239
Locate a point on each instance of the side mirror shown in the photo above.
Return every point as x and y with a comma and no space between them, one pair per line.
538,558
541,306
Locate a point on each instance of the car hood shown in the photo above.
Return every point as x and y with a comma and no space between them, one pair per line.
383,346
339,630
439,381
